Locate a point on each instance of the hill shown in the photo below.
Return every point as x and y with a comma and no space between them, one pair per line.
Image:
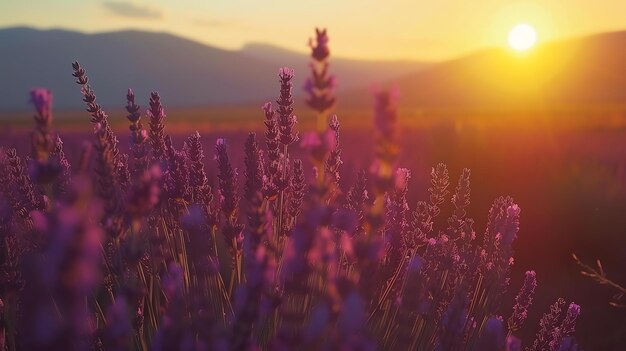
185,72
578,72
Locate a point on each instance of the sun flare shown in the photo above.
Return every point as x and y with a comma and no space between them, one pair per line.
522,37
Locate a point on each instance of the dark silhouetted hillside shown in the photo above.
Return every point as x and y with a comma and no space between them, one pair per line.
579,72
186,73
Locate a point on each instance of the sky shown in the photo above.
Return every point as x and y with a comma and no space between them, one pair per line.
365,29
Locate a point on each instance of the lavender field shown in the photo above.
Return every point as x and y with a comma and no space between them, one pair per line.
244,227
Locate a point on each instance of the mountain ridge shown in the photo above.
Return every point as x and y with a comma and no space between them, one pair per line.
576,71
569,72
187,73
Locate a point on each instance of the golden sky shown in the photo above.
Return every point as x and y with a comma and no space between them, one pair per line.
367,29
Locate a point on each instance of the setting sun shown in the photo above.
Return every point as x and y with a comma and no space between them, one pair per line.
522,37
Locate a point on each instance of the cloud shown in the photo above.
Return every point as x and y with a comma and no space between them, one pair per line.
129,9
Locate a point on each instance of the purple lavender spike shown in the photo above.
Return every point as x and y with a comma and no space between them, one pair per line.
523,301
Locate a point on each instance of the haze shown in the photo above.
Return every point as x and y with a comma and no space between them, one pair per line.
364,29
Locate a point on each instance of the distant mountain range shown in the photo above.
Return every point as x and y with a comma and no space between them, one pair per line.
185,72
588,71
582,71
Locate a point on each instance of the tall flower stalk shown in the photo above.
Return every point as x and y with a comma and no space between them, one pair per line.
382,169
522,302
156,116
229,204
98,117
320,86
138,135
286,122
43,139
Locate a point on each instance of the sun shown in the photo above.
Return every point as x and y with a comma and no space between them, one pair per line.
522,37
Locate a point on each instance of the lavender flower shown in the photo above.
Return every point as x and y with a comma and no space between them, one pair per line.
299,254
177,174
413,301
461,198
395,221
10,215
122,171
119,330
279,169
199,244
229,200
385,119
271,132
523,301
320,86
566,328
454,320
260,268
333,162
440,180
229,204
422,223
460,227
513,343
319,49
425,213
64,179
200,190
98,116
28,196
351,322
42,99
43,139
156,115
385,113
254,171
174,331
107,184
547,324
138,135
286,119
198,181
66,277
85,157
297,192
502,228
144,193
356,200
273,151
568,344
493,336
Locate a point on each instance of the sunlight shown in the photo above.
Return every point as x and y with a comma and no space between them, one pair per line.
522,37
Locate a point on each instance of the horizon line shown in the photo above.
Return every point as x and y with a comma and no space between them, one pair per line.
293,50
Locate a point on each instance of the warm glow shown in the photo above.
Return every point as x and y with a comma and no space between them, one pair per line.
522,37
